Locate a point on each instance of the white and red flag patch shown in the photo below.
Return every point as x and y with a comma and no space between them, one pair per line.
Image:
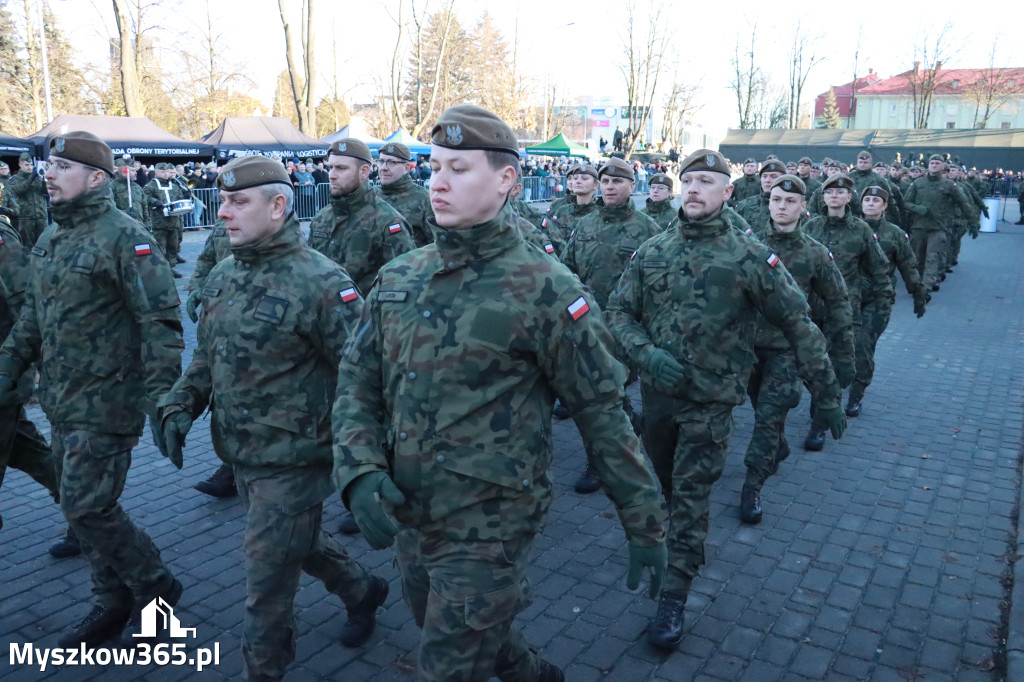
830,256
397,227
773,260
349,294
579,308
545,223
548,248
143,250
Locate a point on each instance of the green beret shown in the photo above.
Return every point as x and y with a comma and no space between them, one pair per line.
807,160
661,179
791,184
252,171
397,150
770,157
751,160
705,160
864,155
25,156
881,164
351,147
617,168
121,162
163,165
936,157
838,181
583,169
84,148
875,191
774,166
467,126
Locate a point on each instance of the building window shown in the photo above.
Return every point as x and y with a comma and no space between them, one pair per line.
1005,125
950,125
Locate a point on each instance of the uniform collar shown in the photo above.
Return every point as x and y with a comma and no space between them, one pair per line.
618,214
83,207
350,203
659,206
399,186
776,234
481,242
847,214
711,226
281,243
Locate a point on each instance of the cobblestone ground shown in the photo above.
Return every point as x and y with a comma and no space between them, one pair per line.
880,558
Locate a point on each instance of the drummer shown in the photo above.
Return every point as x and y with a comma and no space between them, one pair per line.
162,191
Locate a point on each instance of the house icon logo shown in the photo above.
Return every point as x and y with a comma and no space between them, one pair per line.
159,615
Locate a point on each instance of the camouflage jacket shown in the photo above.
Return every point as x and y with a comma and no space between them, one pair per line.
816,274
744,187
810,184
525,210
160,192
754,210
660,212
817,207
139,208
413,202
29,189
602,244
532,235
8,206
14,274
101,315
449,382
360,232
858,255
216,249
980,186
895,244
274,319
696,292
562,218
932,200
972,217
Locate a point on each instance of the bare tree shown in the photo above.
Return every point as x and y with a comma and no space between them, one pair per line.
644,54
303,83
679,105
748,83
432,37
801,60
994,88
133,105
926,76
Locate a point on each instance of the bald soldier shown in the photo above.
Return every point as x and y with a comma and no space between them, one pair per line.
397,188
659,203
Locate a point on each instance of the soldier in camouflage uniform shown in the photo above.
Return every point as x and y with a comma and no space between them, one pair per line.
564,214
864,176
748,185
978,183
28,189
963,223
274,319
358,230
754,209
685,311
442,413
659,204
932,198
874,318
861,260
803,171
774,387
599,250
127,194
161,191
8,204
101,317
404,195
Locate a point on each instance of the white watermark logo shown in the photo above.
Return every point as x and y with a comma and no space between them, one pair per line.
159,610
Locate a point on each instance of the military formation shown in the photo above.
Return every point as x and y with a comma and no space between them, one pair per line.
408,354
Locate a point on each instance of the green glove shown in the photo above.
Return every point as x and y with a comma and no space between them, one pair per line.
919,209
175,426
193,302
364,498
974,231
921,299
656,558
845,372
7,385
835,420
664,370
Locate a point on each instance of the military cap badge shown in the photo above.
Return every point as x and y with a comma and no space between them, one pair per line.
787,185
342,147
709,160
391,149
229,179
454,134
58,144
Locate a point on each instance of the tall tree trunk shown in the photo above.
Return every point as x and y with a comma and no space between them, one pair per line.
310,34
298,86
129,77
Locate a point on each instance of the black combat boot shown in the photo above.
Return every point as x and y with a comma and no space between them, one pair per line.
180,260
588,483
935,287
853,405
549,672
815,438
561,411
348,524
750,504
69,546
101,624
132,635
667,628
363,616
220,484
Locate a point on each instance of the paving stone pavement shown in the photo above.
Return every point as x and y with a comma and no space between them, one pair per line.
880,558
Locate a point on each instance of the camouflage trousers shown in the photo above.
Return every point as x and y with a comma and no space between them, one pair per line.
464,597
30,229
873,321
956,241
169,242
687,443
283,538
774,389
22,448
930,247
91,469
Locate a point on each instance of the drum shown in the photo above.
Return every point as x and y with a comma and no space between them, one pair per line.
179,207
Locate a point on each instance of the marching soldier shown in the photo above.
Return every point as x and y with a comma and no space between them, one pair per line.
659,203
128,196
162,190
754,209
565,213
28,189
405,196
747,185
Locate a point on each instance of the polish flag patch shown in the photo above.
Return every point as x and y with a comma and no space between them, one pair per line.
545,223
548,248
905,234
397,227
773,260
142,250
349,294
1,241
830,256
579,308
875,235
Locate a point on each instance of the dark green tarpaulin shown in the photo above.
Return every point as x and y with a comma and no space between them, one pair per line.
559,145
